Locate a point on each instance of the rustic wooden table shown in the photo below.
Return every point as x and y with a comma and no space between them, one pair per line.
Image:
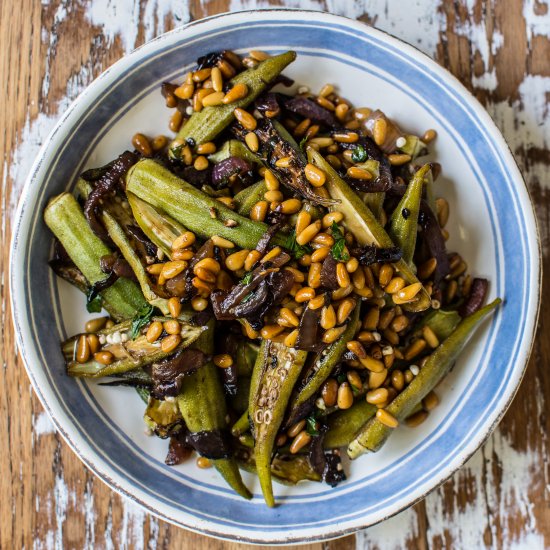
50,50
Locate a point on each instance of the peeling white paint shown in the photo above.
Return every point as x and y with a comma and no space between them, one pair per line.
536,24
42,425
392,534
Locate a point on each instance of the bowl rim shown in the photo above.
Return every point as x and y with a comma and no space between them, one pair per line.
95,463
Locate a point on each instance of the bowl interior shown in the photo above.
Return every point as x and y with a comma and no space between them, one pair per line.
486,198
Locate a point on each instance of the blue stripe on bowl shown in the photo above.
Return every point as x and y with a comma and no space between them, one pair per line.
502,343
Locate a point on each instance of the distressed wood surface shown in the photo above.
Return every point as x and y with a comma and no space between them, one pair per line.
51,50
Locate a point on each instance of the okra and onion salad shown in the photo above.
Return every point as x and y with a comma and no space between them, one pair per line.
275,273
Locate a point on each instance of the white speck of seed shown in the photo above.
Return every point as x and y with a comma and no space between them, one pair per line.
189,110
303,89
102,339
414,369
387,350
400,142
116,337
320,403
376,336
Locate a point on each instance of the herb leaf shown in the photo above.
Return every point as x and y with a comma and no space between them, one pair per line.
297,250
246,279
141,319
338,249
93,301
311,426
359,154
303,142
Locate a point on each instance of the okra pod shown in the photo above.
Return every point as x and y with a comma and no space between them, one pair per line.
360,221
207,123
128,353
242,425
344,424
249,196
374,434
202,405
276,373
162,189
163,417
325,363
404,220
234,148
66,220
442,322
160,228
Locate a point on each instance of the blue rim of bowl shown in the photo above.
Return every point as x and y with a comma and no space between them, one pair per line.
25,197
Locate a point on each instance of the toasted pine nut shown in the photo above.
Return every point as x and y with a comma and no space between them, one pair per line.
210,264
199,303
175,121
238,91
273,253
416,419
294,430
386,418
303,220
235,261
376,396
93,325
213,99
202,74
324,102
345,396
407,294
270,331
358,173
305,260
326,90
342,292
399,323
323,239
342,276
341,111
82,349
314,275
357,349
185,91
104,357
345,137
415,348
246,119
170,343
203,463
304,295
259,211
329,392
273,196
398,380
258,55
283,162
301,129
312,131
344,309
395,285
172,326
227,70
354,380
271,182
251,259
171,269
141,143
154,331
370,322
362,113
223,360
379,131
308,233
221,242
358,279
93,342
300,441
431,401
203,287
204,274
315,175
182,254
174,306
217,80
289,316
207,148
332,217
201,163
110,323
376,379
252,142
372,364
352,265
430,337
228,201
317,302
429,136
184,240
299,277
386,275
290,206
290,339
159,142
320,254
332,334
398,160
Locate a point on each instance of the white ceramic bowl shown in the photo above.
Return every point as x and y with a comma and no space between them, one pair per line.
492,226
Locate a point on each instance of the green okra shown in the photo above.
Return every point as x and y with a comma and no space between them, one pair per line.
413,146
374,434
360,221
160,228
285,469
128,353
249,196
234,148
163,417
276,373
345,424
242,425
66,220
206,124
325,363
202,405
442,322
404,220
162,189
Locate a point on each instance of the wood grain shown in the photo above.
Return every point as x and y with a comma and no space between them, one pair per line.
51,50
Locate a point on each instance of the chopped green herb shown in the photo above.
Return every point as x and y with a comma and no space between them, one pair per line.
338,249
359,154
311,426
141,319
247,278
303,142
176,151
93,301
341,378
297,250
